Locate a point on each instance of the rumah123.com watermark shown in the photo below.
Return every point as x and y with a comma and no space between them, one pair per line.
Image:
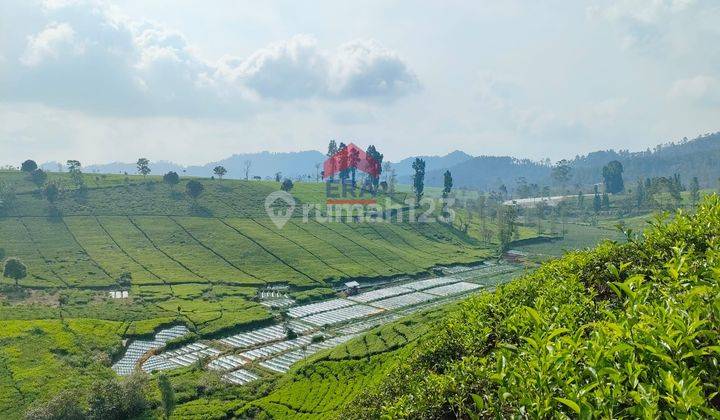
342,206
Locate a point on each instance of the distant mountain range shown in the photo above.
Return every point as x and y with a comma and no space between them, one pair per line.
263,164
698,157
403,169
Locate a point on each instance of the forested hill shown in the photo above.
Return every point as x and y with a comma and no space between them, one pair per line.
489,172
689,158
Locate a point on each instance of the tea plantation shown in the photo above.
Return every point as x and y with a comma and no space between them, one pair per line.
199,262
625,330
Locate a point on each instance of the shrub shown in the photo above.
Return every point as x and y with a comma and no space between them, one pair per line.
64,406
287,185
28,166
624,330
114,399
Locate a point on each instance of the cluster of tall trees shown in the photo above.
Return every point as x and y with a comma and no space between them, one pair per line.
108,398
349,158
663,192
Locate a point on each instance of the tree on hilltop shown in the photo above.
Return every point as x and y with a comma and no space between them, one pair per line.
15,269
612,177
418,179
220,171
74,167
287,185
194,189
447,184
28,166
562,172
694,190
376,159
143,167
172,179
51,192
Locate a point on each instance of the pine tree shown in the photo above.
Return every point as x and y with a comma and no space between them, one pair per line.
694,191
597,202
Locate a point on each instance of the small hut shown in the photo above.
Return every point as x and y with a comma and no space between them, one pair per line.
352,288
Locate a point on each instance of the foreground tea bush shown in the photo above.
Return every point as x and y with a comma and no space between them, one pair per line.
625,330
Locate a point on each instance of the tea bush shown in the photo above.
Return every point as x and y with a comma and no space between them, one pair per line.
624,330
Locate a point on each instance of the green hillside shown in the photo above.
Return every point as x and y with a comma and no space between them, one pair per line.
623,330
161,237
196,262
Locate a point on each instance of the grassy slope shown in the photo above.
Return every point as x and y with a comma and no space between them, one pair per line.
573,335
162,238
41,357
327,382
579,337
196,264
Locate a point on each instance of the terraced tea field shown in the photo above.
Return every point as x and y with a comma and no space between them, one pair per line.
94,251
331,331
143,256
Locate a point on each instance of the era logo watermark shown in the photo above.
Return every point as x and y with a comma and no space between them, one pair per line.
351,188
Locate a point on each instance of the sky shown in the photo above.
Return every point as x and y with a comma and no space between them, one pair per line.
194,82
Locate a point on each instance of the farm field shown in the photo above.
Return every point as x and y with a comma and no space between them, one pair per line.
200,264
260,355
576,237
221,269
160,237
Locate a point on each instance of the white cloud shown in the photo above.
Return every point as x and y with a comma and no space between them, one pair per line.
641,23
364,68
150,77
298,68
144,68
644,11
284,70
497,91
702,89
55,40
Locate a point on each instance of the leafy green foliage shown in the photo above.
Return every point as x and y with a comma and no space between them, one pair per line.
28,166
612,177
167,395
194,189
143,166
625,330
171,178
111,399
14,269
418,179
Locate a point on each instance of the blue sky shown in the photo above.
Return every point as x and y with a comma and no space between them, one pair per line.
194,82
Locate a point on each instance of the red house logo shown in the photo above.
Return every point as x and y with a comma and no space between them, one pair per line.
349,159
344,165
